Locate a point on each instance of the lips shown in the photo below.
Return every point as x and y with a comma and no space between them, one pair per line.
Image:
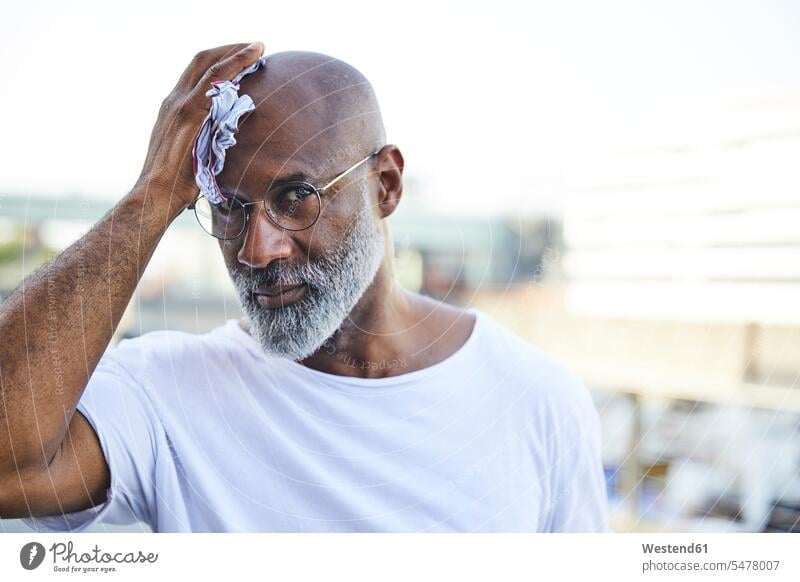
276,296
275,290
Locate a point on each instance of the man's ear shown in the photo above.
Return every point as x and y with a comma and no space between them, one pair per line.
389,169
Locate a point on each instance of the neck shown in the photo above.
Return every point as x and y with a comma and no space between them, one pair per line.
375,339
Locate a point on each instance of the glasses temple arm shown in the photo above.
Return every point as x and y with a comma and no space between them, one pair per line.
343,174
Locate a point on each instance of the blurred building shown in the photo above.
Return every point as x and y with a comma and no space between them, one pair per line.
682,311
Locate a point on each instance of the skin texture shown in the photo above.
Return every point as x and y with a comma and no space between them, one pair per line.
313,114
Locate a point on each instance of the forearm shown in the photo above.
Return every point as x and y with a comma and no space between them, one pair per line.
57,324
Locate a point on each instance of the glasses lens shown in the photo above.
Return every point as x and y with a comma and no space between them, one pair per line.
294,205
225,220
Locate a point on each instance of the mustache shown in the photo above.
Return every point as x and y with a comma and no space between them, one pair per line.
274,274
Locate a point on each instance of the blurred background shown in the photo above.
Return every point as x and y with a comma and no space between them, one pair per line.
616,182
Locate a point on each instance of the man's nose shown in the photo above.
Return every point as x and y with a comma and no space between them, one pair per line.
264,241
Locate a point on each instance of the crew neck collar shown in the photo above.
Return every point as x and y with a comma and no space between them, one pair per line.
234,330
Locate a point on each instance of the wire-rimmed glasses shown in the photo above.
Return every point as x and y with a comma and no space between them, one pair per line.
292,205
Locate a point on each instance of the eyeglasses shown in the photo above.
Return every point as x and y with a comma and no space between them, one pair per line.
294,205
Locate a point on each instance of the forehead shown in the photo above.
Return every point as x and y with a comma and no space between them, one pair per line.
295,129
268,152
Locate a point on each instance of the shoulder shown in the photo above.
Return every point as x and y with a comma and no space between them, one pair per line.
156,350
556,389
506,349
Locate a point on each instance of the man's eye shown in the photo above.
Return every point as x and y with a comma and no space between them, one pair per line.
297,193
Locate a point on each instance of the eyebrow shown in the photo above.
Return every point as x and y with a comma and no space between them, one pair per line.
294,177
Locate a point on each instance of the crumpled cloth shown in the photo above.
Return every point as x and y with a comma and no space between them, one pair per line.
218,130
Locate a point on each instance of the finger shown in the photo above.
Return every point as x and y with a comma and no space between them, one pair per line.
227,68
203,60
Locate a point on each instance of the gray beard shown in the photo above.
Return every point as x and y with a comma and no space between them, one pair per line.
334,285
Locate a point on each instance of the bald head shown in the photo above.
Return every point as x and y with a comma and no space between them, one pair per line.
311,110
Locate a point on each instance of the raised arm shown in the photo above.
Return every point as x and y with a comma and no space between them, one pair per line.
56,325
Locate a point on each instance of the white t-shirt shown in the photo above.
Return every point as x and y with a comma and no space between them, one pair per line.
207,433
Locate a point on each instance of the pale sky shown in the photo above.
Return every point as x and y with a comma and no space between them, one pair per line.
493,104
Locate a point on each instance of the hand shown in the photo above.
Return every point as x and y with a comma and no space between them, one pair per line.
167,171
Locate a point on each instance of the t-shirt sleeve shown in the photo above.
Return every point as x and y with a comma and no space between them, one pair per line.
116,403
579,500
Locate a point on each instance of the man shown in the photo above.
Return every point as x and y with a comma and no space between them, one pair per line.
341,403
